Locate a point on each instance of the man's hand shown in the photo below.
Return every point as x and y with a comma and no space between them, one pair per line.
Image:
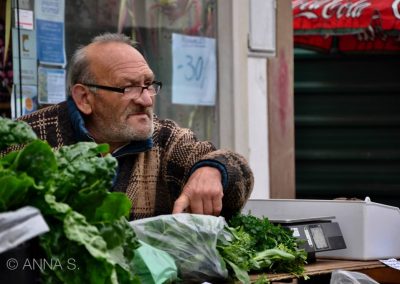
202,193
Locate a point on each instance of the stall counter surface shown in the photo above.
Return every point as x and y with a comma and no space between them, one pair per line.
373,268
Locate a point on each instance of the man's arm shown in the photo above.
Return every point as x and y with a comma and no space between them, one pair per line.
201,177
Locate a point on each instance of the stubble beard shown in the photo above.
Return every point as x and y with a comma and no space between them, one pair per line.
122,131
134,133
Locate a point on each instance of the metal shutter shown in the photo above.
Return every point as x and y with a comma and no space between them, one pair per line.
347,126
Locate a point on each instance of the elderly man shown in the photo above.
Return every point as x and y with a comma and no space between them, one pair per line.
162,168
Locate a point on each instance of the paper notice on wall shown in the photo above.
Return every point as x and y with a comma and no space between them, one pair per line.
50,10
51,85
194,77
50,31
24,19
24,57
23,100
26,41
28,73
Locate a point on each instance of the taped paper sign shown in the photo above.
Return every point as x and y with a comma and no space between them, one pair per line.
194,70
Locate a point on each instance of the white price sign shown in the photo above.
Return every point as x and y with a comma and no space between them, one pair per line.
194,70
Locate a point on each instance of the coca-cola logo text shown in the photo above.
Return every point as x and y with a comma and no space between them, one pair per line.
396,8
330,8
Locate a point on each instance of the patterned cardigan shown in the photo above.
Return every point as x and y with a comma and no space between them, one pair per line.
153,175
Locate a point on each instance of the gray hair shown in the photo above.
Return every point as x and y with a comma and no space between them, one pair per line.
79,66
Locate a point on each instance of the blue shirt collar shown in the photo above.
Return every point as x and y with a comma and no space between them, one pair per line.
78,124
82,134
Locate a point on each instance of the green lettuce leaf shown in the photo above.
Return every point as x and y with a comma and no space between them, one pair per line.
15,132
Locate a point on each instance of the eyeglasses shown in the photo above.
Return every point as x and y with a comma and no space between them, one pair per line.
135,91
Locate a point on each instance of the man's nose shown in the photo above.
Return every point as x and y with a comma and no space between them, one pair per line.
145,99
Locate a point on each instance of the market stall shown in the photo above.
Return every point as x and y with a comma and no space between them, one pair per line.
74,230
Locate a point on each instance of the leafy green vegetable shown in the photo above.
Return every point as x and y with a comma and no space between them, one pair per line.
15,190
259,245
265,234
89,233
14,132
36,160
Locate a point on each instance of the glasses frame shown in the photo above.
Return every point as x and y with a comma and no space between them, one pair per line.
122,90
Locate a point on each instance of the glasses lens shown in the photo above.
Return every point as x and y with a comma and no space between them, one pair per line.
136,91
154,88
132,91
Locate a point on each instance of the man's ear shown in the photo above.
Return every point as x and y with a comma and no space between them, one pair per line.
82,98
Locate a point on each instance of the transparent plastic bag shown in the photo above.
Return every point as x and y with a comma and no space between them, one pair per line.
350,277
191,240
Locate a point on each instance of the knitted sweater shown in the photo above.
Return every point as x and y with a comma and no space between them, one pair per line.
153,172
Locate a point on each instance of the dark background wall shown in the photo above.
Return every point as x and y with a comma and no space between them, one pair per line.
347,126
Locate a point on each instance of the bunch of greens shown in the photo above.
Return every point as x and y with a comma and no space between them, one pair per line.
89,236
258,245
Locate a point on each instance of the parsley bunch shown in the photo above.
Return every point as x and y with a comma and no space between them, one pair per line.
258,245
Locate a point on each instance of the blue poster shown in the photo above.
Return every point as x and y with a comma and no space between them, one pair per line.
50,34
50,42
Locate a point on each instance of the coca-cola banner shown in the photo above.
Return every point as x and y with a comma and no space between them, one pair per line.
331,15
389,14
352,43
344,16
315,42
347,25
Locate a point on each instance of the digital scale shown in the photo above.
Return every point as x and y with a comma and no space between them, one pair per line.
317,234
317,231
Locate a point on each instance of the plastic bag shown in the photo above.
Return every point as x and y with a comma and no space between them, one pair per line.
19,230
154,266
350,277
191,240
17,227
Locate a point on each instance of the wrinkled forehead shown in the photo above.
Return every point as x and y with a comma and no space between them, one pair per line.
113,60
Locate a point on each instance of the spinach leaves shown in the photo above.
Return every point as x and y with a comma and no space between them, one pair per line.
88,226
14,132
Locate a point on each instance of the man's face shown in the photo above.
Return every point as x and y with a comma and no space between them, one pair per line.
119,118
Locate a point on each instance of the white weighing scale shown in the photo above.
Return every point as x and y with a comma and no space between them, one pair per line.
370,230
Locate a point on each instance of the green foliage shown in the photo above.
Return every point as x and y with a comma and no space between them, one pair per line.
88,225
265,234
258,245
14,132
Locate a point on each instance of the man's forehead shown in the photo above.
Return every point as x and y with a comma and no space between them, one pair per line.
114,53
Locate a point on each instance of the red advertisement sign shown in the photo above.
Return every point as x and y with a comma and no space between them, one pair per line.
338,15
345,16
389,14
356,25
